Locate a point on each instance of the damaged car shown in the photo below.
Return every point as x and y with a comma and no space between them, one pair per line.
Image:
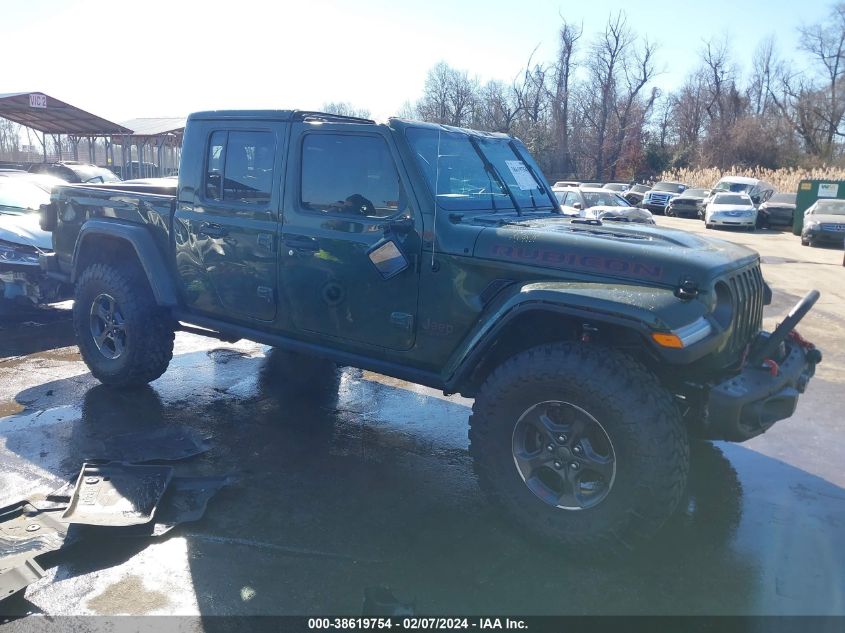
22,241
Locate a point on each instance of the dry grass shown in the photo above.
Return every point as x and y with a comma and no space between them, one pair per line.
782,179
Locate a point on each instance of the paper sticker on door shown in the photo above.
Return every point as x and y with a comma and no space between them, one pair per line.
828,190
523,177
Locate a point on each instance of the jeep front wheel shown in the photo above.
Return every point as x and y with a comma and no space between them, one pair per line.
581,445
124,337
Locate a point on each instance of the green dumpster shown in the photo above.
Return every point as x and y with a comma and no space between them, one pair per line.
811,190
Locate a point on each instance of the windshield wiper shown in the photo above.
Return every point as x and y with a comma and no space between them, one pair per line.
491,169
549,194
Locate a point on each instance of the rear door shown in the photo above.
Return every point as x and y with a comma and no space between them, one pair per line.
226,229
344,188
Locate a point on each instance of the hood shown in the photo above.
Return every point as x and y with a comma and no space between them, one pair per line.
24,229
624,250
825,218
778,205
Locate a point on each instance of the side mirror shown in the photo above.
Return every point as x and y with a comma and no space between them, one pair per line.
577,205
388,258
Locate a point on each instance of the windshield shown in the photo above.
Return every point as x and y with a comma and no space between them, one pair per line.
735,187
640,188
460,178
829,207
608,199
91,173
19,197
669,186
783,198
727,198
696,193
616,186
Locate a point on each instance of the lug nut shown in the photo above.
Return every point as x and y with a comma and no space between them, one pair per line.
561,438
574,465
558,465
550,448
576,450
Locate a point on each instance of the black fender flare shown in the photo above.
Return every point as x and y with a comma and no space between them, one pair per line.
155,267
564,299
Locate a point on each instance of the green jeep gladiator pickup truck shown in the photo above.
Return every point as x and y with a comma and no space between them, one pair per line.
439,256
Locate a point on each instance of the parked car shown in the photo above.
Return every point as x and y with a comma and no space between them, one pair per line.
567,183
590,185
74,172
591,353
619,187
657,198
22,240
599,204
779,210
758,190
824,222
690,204
44,181
731,209
635,194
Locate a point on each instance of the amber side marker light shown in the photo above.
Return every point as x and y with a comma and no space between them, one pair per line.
684,336
668,340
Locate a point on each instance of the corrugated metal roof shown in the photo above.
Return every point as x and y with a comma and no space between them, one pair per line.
153,126
50,115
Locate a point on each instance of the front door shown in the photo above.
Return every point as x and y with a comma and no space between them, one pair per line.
226,235
343,196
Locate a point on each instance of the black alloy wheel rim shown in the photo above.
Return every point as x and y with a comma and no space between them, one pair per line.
108,327
564,455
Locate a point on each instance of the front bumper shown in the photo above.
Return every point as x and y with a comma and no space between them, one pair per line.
828,237
749,403
28,284
726,220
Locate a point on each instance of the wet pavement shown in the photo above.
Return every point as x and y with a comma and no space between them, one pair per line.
362,480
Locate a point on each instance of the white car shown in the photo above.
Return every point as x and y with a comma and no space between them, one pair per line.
599,204
730,209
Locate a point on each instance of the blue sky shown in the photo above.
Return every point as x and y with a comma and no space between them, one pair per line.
159,58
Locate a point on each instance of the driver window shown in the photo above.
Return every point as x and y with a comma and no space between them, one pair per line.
349,175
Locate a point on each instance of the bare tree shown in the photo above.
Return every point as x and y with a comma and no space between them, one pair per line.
344,108
560,93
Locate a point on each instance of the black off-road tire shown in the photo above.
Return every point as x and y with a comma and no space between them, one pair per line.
149,328
636,412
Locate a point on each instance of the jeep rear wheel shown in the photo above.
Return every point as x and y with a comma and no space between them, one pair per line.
124,337
581,445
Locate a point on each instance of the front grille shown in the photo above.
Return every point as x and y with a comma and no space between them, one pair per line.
747,290
659,198
833,227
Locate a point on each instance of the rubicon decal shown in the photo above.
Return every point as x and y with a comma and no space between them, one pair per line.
562,259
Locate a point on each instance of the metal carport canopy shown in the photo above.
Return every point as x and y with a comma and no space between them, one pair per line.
52,116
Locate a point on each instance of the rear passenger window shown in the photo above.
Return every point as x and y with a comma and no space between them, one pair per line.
240,167
214,167
349,175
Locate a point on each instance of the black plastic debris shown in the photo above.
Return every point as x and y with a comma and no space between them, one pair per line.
26,532
117,494
381,601
169,443
184,501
